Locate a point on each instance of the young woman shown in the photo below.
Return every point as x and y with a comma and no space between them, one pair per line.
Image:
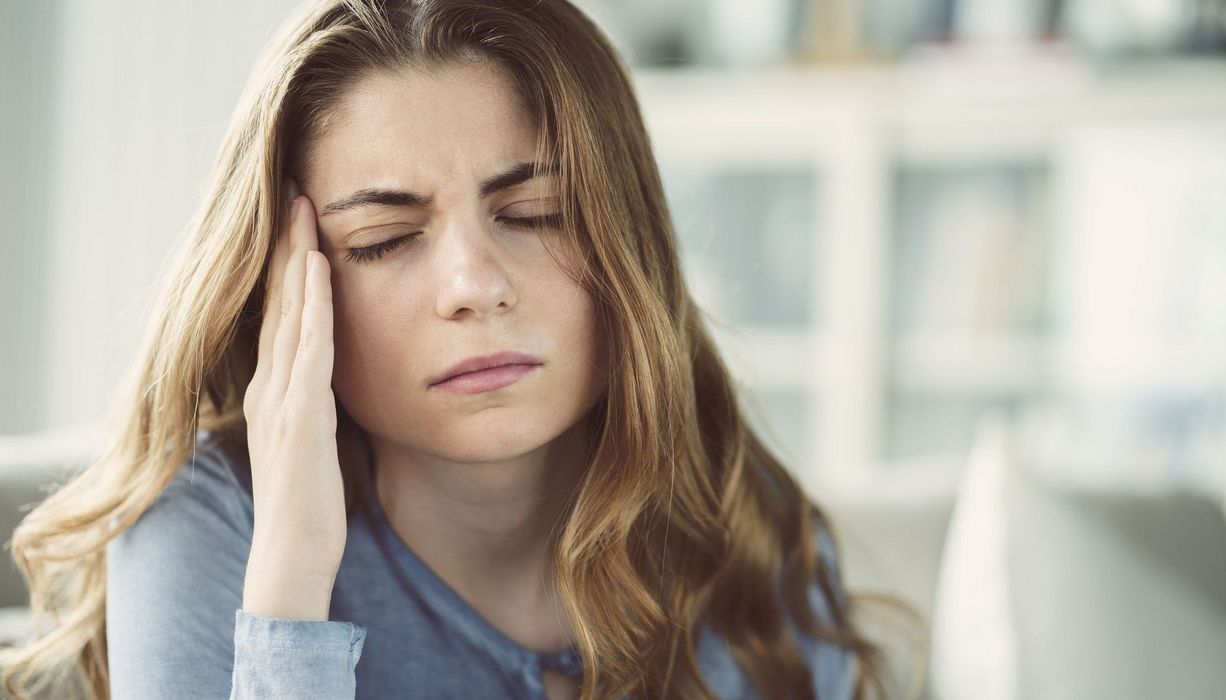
427,409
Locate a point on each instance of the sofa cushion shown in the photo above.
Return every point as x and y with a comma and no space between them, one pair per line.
14,625
30,466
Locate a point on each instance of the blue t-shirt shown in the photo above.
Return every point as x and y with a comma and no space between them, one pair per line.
175,626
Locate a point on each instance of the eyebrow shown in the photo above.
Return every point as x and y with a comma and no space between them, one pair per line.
383,197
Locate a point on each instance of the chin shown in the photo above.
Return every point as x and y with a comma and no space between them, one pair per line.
485,450
477,441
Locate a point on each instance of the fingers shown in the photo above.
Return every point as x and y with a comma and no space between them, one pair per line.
272,297
313,364
285,344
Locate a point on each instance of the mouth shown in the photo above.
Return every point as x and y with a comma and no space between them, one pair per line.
484,380
485,372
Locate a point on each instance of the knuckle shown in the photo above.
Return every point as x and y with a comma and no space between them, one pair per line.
251,400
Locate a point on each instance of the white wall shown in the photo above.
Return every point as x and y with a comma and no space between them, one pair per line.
121,107
27,43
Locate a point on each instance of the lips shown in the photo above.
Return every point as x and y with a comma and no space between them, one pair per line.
476,364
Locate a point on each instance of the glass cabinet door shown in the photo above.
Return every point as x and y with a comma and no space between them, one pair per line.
968,304
747,237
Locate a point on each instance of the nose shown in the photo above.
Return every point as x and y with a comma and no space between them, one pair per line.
471,272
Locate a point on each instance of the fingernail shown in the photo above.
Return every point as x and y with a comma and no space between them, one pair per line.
292,186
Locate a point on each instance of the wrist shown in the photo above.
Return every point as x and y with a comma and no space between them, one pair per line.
282,594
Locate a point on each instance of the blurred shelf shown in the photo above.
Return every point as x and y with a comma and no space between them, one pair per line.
772,358
902,482
932,114
971,364
861,137
1150,365
1018,363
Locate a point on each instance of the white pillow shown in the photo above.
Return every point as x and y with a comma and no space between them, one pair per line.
1051,590
974,646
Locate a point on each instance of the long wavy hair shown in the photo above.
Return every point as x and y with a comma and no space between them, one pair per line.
676,473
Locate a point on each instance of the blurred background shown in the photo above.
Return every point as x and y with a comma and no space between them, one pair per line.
967,258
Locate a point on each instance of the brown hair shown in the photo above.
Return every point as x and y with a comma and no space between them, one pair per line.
676,473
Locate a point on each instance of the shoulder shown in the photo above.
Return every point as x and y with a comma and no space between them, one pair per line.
831,666
204,507
214,467
828,556
176,574
215,475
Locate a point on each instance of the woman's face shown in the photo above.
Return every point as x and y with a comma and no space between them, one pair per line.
466,283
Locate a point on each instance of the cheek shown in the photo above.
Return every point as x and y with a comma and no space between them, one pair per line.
578,328
372,327
371,301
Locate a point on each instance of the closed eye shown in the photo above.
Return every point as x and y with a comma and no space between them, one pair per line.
545,221
378,250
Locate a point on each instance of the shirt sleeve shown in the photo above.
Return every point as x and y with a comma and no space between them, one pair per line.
279,658
174,620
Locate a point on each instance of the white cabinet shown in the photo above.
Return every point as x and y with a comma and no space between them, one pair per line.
878,247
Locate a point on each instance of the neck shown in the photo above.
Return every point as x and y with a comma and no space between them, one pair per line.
485,528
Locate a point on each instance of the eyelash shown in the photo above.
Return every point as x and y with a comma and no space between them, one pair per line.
378,250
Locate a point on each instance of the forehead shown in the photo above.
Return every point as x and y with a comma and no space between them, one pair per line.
414,120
